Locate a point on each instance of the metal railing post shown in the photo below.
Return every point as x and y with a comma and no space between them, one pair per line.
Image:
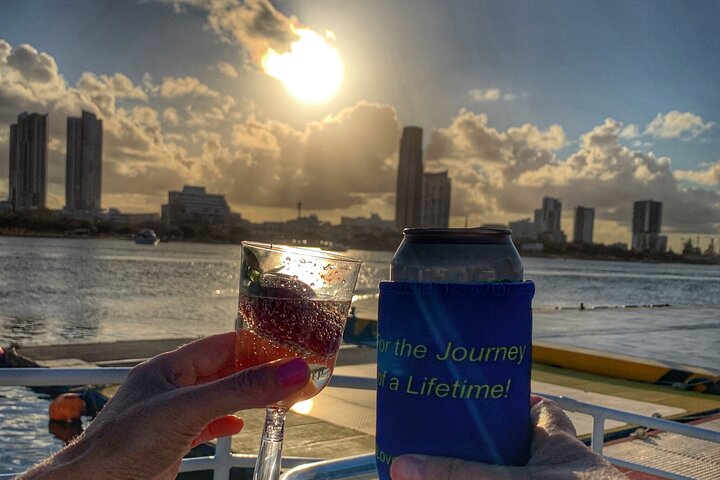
597,440
223,459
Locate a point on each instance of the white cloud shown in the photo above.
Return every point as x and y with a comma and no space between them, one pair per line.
709,176
674,124
180,86
227,70
500,175
489,95
493,95
118,85
170,115
630,131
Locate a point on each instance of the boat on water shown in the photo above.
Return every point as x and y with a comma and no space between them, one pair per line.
146,237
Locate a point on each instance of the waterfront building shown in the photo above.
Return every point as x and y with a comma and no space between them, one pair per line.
28,162
524,229
436,200
114,215
646,227
374,223
83,169
195,205
408,201
584,219
547,220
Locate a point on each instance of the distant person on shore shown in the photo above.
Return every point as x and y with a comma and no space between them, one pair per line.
185,397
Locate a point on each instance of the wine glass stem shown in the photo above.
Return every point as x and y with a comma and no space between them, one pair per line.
270,454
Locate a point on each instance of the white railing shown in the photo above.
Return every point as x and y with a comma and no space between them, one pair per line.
224,459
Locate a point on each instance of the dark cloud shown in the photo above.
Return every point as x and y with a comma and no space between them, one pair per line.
254,24
334,163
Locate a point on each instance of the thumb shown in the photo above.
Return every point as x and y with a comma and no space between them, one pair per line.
422,467
251,388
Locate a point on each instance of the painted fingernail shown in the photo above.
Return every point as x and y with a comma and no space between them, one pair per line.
292,373
408,467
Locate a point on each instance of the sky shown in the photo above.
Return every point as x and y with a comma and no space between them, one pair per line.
596,103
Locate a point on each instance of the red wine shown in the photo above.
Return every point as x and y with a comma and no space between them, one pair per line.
275,327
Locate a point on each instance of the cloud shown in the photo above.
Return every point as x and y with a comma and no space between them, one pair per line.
118,85
137,157
254,24
227,69
157,141
180,86
500,175
674,124
489,95
343,160
709,176
32,65
493,95
630,131
159,137
170,115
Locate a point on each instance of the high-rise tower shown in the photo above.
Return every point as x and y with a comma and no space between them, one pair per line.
28,162
646,225
584,219
83,174
408,202
436,200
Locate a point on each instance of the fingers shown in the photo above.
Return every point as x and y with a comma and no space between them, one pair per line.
252,388
194,362
220,427
422,467
549,416
554,439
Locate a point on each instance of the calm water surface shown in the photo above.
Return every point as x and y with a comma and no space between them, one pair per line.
79,290
66,290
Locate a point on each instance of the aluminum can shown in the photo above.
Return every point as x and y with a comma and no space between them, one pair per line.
454,346
456,255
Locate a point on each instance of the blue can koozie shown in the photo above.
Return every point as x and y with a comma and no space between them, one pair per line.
454,371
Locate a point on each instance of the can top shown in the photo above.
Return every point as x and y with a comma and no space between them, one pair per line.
476,235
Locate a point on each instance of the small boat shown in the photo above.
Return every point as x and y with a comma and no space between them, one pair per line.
146,237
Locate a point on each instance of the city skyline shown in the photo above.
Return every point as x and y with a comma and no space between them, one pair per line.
551,122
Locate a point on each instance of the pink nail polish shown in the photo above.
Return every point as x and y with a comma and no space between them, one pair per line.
291,373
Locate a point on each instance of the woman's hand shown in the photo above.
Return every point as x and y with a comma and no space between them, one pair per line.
167,405
555,454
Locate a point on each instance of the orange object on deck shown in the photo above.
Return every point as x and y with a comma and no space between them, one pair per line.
68,407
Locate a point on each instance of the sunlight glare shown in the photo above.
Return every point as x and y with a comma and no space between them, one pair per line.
304,407
311,71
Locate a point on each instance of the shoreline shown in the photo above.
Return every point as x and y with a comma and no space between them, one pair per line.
602,258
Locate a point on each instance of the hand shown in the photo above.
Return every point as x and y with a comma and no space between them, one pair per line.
167,405
555,454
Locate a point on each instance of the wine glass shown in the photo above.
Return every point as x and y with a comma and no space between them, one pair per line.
293,302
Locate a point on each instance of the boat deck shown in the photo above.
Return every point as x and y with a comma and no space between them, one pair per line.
341,421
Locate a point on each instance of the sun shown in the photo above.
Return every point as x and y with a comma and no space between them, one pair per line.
311,71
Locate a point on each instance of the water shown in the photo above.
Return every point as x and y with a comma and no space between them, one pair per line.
82,290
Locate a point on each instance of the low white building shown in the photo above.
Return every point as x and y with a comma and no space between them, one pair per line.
194,205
